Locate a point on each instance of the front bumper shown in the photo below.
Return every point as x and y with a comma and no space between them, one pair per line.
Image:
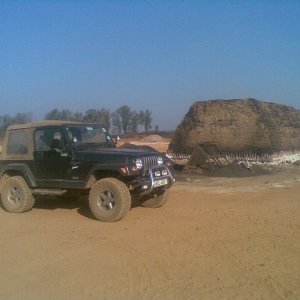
157,178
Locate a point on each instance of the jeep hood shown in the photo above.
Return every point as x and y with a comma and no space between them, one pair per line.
113,155
119,152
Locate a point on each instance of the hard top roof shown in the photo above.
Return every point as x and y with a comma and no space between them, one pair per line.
45,123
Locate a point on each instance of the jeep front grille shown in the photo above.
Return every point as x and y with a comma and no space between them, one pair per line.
149,162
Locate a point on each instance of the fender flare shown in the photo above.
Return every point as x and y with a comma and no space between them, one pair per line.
90,178
23,169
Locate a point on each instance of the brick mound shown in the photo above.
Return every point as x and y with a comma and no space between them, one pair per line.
239,125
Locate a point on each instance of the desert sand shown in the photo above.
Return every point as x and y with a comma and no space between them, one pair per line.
216,238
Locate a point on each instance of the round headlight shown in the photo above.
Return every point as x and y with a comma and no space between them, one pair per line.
138,163
160,161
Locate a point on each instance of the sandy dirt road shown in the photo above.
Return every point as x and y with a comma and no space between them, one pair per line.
216,238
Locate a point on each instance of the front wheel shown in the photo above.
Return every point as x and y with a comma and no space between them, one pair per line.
109,200
16,196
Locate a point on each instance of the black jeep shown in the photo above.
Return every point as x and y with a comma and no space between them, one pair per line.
60,157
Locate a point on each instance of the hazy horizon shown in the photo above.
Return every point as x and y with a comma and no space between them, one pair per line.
158,55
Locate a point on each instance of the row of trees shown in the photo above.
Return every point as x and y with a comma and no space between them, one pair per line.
124,120
101,116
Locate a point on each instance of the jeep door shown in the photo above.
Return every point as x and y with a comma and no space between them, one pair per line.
51,158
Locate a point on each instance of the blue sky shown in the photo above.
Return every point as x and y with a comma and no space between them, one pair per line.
160,55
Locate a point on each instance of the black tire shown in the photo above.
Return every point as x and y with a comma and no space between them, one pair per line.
16,196
156,200
109,200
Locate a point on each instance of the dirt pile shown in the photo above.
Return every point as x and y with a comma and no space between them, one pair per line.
137,147
239,125
153,138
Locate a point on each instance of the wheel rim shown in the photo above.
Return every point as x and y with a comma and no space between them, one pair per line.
14,196
106,201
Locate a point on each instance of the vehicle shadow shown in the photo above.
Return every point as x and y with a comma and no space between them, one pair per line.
78,203
55,202
85,211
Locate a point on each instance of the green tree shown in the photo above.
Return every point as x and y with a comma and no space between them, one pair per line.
91,116
125,116
54,114
116,122
134,122
146,119
22,118
7,120
105,118
64,114
78,117
67,115
101,116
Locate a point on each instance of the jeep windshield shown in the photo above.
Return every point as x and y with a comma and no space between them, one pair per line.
85,137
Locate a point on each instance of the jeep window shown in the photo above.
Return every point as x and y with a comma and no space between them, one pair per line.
49,139
89,136
17,142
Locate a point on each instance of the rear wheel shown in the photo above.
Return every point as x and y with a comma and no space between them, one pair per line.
156,200
109,200
16,196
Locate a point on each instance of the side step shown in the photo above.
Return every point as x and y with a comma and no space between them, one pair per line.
50,192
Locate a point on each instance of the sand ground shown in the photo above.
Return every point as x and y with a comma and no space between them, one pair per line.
216,238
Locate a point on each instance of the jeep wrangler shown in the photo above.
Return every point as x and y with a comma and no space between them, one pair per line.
62,158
